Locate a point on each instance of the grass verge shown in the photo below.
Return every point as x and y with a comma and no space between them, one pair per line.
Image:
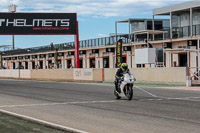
148,84
10,124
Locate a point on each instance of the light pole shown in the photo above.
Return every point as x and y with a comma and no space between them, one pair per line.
12,9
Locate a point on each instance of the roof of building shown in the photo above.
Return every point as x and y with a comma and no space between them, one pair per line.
178,7
179,50
153,32
138,20
3,46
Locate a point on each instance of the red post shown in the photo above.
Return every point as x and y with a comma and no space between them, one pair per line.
77,47
103,74
19,73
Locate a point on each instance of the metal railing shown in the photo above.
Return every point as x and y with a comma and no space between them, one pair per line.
97,42
93,54
157,37
196,30
106,41
105,53
194,73
180,32
63,46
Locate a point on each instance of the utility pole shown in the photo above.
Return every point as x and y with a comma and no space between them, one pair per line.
12,9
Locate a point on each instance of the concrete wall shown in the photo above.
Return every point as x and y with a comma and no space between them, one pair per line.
98,74
15,74
177,74
82,74
109,74
25,74
9,73
55,74
173,75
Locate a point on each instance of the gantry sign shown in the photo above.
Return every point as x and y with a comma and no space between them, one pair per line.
41,24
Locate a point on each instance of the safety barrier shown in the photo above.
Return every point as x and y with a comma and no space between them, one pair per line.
169,75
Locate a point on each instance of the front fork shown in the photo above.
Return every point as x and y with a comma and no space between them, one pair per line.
124,89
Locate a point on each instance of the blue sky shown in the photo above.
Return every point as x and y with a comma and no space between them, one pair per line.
96,17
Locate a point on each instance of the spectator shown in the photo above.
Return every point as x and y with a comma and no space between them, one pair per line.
71,66
54,66
148,44
59,65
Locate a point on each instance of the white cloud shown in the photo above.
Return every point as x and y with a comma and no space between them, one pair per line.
97,8
102,35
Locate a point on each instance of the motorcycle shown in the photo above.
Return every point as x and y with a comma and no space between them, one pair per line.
125,86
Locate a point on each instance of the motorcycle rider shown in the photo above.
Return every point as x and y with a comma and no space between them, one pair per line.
119,74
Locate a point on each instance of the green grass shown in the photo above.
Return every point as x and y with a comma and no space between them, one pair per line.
156,85
147,84
10,124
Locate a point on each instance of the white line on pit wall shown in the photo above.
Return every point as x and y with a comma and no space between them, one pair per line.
57,126
50,104
146,92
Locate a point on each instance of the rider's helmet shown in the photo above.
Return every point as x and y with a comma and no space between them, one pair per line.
124,67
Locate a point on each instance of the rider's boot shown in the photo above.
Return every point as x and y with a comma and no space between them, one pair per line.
117,87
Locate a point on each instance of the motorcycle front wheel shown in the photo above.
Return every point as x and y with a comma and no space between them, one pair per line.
129,92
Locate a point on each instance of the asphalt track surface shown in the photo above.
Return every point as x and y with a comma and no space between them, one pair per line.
93,108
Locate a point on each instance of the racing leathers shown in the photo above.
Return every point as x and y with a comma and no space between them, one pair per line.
118,76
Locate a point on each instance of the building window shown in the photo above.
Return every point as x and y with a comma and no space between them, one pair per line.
140,65
182,18
195,17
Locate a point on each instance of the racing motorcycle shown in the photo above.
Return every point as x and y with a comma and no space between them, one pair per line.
125,86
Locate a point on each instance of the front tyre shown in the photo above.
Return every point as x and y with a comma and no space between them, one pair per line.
129,92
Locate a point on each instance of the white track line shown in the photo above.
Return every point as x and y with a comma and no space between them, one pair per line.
192,99
50,104
146,92
185,98
57,126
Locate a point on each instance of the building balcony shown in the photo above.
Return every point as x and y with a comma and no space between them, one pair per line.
180,32
196,30
93,54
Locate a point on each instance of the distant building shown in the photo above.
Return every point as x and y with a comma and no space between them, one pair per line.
175,43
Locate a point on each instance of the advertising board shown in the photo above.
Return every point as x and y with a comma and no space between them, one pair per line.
0,61
119,53
38,23
83,74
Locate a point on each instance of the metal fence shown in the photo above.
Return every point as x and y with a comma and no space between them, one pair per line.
194,73
97,42
180,32
106,41
196,30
